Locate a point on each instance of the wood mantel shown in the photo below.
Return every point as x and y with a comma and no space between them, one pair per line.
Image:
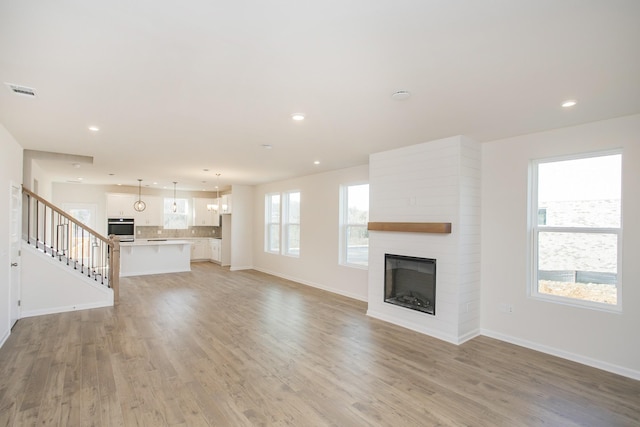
412,227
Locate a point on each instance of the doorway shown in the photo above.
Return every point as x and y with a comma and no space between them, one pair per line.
14,231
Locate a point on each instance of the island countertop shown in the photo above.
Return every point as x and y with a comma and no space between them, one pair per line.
156,242
154,256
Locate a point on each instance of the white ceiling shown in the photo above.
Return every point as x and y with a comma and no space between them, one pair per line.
178,87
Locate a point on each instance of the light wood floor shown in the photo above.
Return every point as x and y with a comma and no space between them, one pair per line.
212,347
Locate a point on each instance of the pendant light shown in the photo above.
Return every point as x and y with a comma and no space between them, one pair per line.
174,207
139,205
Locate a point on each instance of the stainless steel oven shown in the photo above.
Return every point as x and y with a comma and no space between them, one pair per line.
122,227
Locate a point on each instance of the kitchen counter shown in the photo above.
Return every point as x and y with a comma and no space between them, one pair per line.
154,256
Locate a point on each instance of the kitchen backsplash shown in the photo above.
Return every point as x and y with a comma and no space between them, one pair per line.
143,232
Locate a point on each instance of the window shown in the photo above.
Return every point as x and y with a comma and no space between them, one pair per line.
576,230
291,223
272,223
282,223
354,216
178,219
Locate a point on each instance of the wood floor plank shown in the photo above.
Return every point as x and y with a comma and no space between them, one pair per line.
212,347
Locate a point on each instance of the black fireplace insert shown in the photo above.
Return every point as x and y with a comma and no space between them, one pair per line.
410,282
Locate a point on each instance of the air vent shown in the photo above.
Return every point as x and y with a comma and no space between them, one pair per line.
21,90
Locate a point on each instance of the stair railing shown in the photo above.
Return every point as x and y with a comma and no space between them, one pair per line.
59,235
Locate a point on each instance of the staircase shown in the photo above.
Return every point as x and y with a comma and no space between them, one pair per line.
56,234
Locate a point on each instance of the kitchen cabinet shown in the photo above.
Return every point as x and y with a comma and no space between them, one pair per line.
204,214
200,249
120,205
215,250
153,215
225,202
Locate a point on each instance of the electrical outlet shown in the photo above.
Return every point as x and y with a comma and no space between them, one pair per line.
505,308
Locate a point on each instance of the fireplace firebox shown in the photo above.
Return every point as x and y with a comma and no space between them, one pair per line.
410,282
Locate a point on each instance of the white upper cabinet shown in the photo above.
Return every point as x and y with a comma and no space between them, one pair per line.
225,201
205,212
120,205
153,213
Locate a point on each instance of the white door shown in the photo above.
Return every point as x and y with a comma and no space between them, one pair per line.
16,214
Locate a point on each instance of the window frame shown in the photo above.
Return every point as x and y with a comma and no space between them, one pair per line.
268,211
167,211
287,224
345,226
535,229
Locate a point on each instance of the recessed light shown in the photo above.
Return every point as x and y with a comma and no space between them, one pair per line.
317,162
94,128
79,178
297,117
267,146
401,95
569,103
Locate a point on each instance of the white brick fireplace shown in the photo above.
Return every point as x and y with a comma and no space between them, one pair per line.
433,182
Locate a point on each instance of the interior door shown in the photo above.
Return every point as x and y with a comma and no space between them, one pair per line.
16,215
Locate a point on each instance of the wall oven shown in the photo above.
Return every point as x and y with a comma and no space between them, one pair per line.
121,227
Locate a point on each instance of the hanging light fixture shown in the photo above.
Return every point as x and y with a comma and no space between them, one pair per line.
139,205
174,207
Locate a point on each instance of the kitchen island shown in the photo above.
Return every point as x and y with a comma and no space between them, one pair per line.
154,256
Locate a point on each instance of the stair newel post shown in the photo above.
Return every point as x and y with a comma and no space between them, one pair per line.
114,267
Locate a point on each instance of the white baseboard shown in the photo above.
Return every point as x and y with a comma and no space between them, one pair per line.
55,310
313,284
412,326
605,366
248,267
468,336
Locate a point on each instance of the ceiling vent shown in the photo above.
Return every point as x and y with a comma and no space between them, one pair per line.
22,90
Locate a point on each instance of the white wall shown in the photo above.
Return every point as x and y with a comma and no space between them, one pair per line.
241,227
602,339
318,262
45,184
49,286
82,193
10,170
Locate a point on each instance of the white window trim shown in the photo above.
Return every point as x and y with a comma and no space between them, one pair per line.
535,229
343,235
186,214
267,228
284,223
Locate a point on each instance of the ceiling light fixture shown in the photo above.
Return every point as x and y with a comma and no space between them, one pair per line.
174,207
94,128
317,162
139,205
401,95
216,206
297,117
569,103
